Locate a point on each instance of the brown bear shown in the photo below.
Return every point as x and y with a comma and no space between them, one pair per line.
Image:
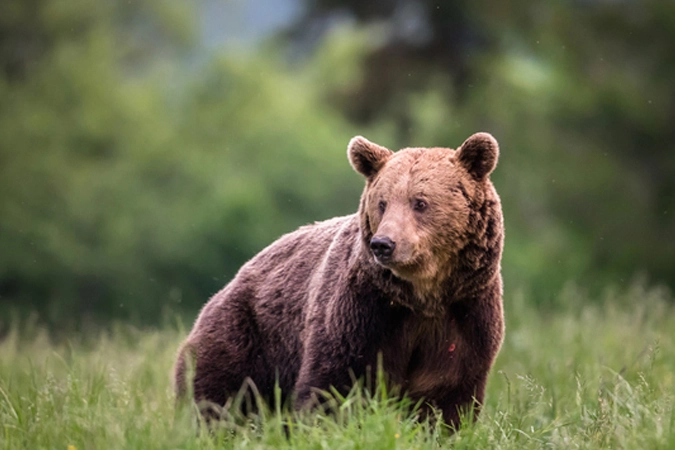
413,278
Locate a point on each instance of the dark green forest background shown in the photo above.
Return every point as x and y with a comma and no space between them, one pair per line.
139,168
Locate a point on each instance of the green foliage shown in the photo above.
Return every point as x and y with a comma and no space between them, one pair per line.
138,171
120,198
597,374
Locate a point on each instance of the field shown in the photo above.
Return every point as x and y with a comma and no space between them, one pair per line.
590,373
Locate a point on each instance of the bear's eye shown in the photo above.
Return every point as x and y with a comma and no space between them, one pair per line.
420,205
382,206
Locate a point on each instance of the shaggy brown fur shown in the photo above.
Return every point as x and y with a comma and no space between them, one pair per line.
414,276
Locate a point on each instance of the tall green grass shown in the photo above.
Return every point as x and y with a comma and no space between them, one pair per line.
587,374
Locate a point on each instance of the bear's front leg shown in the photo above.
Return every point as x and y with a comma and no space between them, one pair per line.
342,341
331,361
464,401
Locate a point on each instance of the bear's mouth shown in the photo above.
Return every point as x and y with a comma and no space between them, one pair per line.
400,269
383,261
386,260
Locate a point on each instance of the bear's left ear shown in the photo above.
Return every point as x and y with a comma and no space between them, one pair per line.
479,154
366,157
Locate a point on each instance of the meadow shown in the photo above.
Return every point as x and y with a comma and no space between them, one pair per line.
592,372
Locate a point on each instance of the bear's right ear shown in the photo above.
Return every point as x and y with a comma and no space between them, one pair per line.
366,157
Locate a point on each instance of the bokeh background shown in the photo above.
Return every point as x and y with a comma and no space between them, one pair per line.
148,148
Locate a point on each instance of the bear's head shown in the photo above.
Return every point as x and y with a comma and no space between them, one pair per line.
429,212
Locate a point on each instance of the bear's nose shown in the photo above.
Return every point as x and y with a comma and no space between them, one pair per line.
382,247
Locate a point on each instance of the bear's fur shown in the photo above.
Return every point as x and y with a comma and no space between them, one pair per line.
414,277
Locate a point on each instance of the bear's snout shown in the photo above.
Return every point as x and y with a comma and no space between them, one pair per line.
382,247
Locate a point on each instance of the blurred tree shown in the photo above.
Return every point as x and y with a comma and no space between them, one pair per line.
32,31
71,119
415,41
122,194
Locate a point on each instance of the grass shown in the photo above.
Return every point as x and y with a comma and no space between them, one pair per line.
597,374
